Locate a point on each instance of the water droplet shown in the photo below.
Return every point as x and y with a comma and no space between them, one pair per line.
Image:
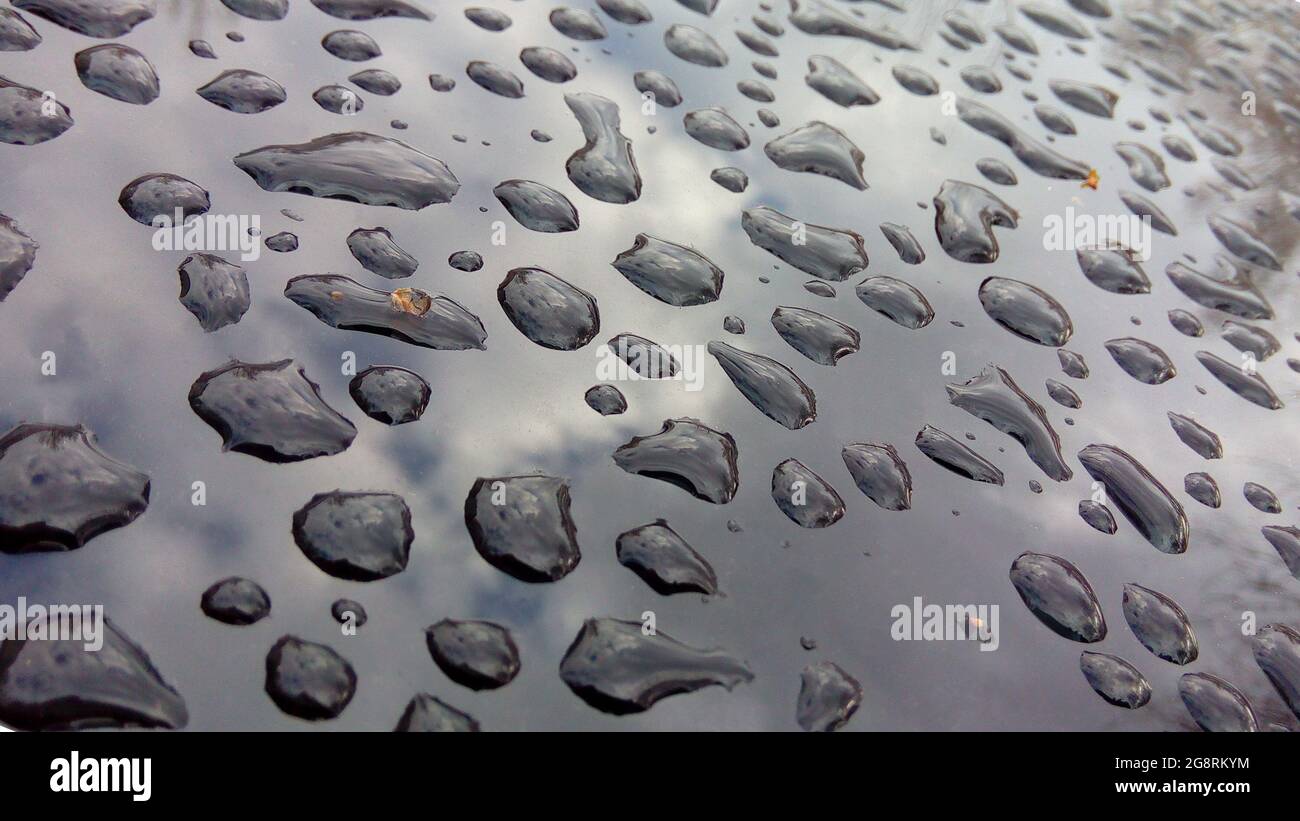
407,314
356,46
376,81
769,386
947,452
606,400
1216,705
1141,360
537,207
390,394
356,536
1054,119
119,72
58,685
1037,157
354,167
426,714
1196,436
1144,166
816,336
900,236
687,454
496,79
465,261
1277,652
480,655
375,249
1054,20
818,148
964,218
1098,516
345,611
996,171
896,300
804,497
214,290
369,9
613,666
1232,291
1058,594
577,24
828,697
660,85
530,535
1249,386
259,9
915,80
548,64
732,179
1160,624
995,397
604,168
981,79
17,255
630,12
271,411
1028,312
441,82
58,490
1242,242
548,310
488,19
837,83
1139,496
1063,395
1261,498
828,253
16,34
716,129
663,560
694,46
670,273
308,680
236,601
1092,99
1203,488
103,19
1115,680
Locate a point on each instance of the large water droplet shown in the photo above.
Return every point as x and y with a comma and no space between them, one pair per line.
829,253
995,397
687,454
880,473
271,411
617,668
604,168
548,310
1216,705
389,394
57,685
308,680
964,216
1115,680
663,560
947,452
1160,624
828,697
1058,594
818,148
58,491
1139,496
521,526
481,655
670,272
408,314
769,386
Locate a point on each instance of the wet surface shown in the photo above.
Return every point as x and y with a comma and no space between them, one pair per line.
98,296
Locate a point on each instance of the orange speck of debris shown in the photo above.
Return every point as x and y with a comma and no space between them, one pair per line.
1093,179
411,301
